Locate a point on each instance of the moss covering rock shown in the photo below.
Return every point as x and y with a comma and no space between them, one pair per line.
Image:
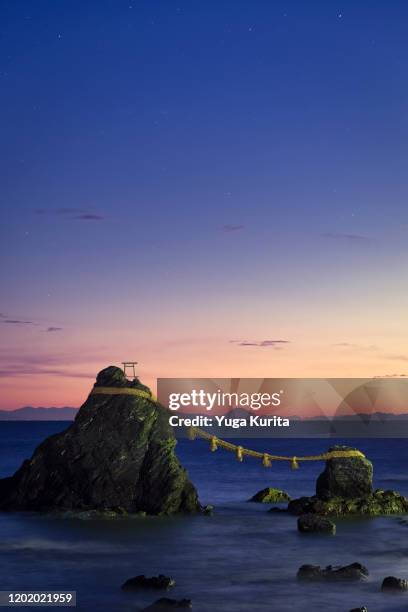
347,477
377,504
270,496
345,487
117,457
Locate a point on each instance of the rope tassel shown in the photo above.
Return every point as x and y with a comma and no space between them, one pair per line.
266,461
240,453
191,434
294,464
213,445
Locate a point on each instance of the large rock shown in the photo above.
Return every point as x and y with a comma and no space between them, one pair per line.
118,455
346,477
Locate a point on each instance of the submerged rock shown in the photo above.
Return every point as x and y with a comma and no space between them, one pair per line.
312,523
165,603
143,582
390,583
277,510
362,609
117,457
353,572
345,488
270,496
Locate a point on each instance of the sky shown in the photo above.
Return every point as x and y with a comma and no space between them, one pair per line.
212,189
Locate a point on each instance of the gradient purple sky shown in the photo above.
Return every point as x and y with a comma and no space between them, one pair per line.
185,184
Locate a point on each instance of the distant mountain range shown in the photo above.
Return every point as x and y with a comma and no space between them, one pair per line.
29,413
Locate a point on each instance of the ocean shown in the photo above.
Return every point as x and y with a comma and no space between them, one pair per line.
240,559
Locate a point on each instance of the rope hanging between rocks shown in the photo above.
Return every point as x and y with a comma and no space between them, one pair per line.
267,458
240,451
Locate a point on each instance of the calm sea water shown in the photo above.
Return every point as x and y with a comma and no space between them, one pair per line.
240,559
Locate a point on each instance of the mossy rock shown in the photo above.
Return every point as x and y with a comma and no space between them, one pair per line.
345,477
379,503
270,496
118,457
313,523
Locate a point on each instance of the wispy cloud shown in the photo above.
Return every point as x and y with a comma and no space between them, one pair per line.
33,371
89,217
232,228
397,357
81,214
262,343
64,365
351,238
356,347
18,322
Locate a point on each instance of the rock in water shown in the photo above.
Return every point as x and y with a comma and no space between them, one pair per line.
345,488
390,583
377,504
270,496
348,573
119,454
313,523
165,603
143,582
347,477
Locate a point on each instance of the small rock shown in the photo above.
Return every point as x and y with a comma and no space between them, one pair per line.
165,603
142,582
208,510
390,583
352,572
362,609
270,496
313,523
276,509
